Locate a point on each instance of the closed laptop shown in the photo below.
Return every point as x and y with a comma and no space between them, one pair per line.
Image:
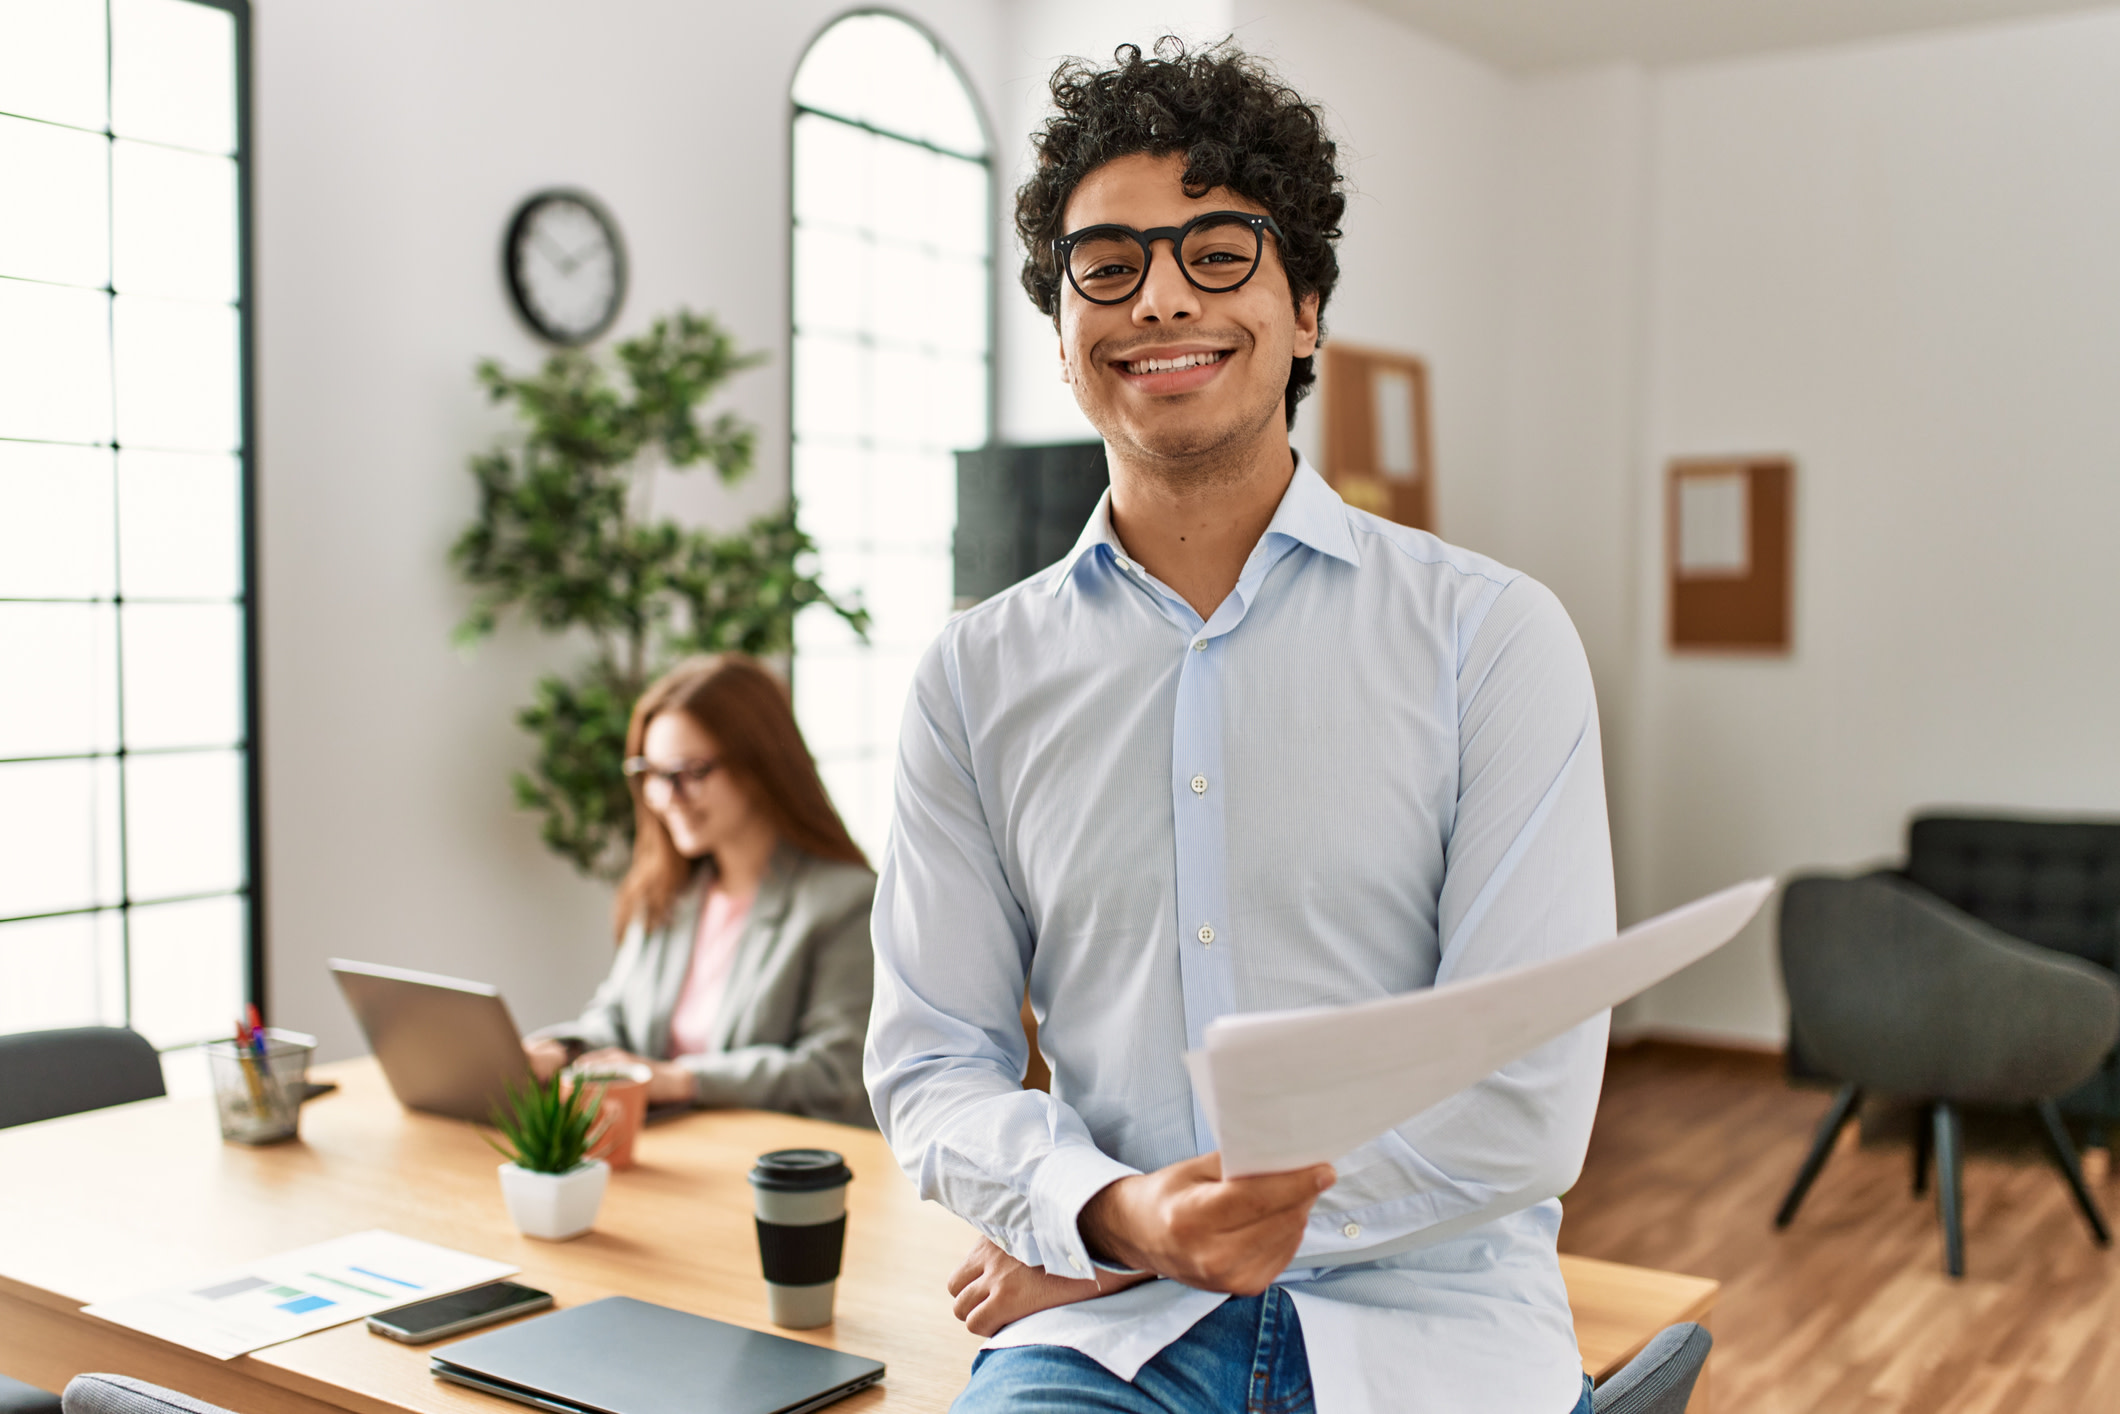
622,1356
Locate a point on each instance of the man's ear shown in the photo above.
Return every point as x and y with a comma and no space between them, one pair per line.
1306,326
1067,371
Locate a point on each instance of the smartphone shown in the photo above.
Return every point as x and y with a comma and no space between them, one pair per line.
461,1311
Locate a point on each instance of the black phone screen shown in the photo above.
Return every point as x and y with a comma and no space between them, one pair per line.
441,1311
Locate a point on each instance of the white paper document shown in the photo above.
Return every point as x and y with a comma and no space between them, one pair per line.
1288,1088
295,1293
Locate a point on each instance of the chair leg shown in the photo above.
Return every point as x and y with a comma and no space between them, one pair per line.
1829,1129
1923,1135
1949,1162
2064,1152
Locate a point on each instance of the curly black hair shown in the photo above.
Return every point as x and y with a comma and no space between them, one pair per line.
1238,126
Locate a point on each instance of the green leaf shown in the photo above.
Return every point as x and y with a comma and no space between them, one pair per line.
547,1126
557,542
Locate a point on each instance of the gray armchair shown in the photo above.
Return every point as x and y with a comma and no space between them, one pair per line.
121,1394
1660,1379
1893,990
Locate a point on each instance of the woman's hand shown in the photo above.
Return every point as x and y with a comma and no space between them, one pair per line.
546,1056
668,1082
994,1290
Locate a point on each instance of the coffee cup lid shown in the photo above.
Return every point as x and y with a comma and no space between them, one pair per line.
801,1170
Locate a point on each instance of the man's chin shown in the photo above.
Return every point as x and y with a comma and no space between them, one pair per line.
1187,438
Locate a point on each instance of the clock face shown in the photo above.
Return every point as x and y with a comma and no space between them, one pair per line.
566,267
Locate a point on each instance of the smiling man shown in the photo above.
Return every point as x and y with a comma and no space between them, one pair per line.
1243,748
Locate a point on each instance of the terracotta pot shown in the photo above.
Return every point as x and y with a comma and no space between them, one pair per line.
555,1206
623,1111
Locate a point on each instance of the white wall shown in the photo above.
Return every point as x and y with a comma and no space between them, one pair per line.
1894,261
393,140
1899,263
1423,133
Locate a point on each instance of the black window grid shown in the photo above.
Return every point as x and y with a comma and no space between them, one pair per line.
246,746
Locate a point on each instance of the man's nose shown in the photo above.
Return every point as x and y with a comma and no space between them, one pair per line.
1166,296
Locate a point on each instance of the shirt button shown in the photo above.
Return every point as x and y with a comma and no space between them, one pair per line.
1199,645
1199,785
1351,1230
1123,563
1075,1262
1207,932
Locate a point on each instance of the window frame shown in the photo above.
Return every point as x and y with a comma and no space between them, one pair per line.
989,159
249,746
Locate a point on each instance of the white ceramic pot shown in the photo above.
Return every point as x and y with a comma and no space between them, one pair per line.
555,1206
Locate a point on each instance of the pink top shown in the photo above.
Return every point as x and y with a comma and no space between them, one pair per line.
713,955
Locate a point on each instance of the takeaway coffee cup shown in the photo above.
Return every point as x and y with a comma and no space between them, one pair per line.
800,1198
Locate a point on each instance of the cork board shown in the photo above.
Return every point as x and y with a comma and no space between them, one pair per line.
1728,524
1378,450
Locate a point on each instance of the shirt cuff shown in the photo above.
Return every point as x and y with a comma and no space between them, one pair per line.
1067,1179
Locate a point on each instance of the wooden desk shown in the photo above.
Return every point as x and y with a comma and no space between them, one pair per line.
103,1204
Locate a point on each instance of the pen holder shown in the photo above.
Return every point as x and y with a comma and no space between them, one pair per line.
260,1102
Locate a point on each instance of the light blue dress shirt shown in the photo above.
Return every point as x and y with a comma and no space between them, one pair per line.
1374,768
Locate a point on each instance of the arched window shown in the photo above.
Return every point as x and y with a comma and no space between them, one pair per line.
892,373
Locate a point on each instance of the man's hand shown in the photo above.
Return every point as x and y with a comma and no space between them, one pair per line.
994,1290
1189,1223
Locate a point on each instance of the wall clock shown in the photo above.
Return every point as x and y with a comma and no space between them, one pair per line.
566,266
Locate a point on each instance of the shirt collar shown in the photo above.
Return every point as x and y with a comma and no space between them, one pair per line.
1311,513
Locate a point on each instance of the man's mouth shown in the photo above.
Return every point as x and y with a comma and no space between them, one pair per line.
1179,361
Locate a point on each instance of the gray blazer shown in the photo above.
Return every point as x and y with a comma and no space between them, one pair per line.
792,1022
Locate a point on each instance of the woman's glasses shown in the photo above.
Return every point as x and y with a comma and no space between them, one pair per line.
1217,252
659,783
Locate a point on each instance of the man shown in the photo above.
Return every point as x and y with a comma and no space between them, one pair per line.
1243,748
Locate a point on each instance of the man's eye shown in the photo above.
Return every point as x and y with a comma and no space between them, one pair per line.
1110,271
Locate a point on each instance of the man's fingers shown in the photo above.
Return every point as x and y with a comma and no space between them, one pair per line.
983,1320
975,1261
969,1299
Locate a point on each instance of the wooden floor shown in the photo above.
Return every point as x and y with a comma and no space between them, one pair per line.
1849,1311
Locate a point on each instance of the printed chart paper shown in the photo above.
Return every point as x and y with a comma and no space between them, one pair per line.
1284,1089
296,1293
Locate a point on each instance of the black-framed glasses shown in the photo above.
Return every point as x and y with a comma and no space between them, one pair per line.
1217,251
680,780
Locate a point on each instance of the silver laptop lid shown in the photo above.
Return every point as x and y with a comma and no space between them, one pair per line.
622,1356
446,1045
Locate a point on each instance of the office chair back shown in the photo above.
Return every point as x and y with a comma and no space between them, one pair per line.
2051,882
1657,1381
122,1394
45,1074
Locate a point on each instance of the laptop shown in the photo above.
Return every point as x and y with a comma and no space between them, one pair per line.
622,1356
446,1045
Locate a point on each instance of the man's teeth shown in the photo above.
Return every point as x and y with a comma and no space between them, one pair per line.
1165,365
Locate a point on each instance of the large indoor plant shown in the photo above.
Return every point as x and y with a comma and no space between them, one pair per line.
566,534
551,1185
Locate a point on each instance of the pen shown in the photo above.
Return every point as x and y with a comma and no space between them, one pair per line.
250,1071
263,1053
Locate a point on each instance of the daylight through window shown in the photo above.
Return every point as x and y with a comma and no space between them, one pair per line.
892,221
124,747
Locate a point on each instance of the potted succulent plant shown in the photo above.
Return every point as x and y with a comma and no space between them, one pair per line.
552,1187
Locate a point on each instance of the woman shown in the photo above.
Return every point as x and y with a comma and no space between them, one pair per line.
743,969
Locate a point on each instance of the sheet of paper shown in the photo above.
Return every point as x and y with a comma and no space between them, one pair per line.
1288,1088
246,1308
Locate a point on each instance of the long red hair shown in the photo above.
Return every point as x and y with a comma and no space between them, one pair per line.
746,709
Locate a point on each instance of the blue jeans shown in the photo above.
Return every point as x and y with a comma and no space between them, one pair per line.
1248,1355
